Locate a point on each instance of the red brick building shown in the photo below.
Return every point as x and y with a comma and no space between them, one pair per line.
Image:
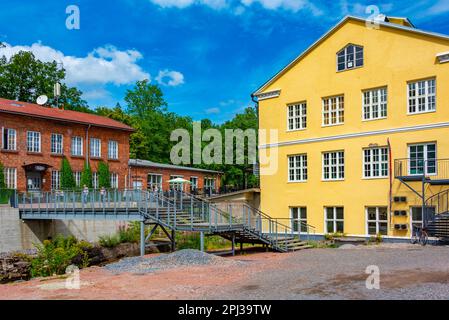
34,140
150,175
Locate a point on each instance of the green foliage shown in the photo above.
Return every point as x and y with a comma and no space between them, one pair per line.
332,236
129,234
377,239
24,78
2,177
104,176
54,256
321,244
5,194
67,178
86,176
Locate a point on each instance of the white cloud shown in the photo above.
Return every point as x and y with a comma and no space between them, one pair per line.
440,7
214,4
212,111
170,78
101,66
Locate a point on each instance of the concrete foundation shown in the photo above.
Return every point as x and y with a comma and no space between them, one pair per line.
16,234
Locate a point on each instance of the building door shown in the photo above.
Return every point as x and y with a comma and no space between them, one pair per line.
34,181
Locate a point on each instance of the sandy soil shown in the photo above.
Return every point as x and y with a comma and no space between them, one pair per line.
407,272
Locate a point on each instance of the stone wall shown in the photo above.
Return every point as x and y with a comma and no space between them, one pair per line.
16,234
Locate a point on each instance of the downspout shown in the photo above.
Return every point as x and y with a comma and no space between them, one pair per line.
87,144
256,102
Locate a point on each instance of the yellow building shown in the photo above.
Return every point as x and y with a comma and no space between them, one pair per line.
347,110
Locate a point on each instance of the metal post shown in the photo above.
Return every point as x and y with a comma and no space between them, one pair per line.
424,213
233,244
202,241
173,240
142,238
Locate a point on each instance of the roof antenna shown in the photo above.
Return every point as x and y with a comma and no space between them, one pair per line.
57,93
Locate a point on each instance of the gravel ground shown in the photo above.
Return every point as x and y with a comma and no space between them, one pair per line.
182,258
406,272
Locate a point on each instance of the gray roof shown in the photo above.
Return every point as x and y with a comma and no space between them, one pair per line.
327,34
147,163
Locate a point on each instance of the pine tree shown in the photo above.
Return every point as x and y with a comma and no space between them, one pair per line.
86,176
67,178
104,176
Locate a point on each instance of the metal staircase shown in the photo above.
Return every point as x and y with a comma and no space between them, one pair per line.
177,211
436,216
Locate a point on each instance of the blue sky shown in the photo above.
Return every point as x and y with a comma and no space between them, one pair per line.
207,55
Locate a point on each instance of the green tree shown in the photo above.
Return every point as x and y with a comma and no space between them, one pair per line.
2,177
104,176
67,178
23,77
86,176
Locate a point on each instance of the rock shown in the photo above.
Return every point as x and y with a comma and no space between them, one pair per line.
347,246
14,267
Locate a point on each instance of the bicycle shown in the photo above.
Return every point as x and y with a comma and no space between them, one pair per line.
419,235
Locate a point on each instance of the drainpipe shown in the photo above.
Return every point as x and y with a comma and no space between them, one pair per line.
256,102
87,144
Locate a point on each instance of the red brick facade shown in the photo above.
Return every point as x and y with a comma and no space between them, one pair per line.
21,157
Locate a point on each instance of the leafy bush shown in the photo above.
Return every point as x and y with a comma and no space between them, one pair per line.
86,176
104,176
109,241
67,178
129,234
54,256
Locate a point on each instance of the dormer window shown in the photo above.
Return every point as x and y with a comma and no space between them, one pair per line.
350,57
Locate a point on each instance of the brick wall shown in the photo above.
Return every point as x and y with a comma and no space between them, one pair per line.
22,124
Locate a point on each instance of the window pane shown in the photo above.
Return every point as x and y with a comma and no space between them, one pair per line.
340,227
372,228
340,213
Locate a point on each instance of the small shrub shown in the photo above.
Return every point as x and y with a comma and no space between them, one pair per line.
109,241
53,257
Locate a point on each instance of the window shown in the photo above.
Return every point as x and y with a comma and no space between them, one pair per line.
9,139
209,184
417,217
95,180
56,143
176,185
113,150
77,176
154,182
33,141
77,146
297,168
299,219
334,165
10,177
421,96
55,180
193,183
422,156
114,180
375,162
334,218
95,148
375,104
377,220
350,57
333,111
297,116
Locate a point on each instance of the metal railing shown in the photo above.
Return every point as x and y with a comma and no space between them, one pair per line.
436,205
434,169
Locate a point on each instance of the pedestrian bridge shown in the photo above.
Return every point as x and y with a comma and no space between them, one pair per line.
177,211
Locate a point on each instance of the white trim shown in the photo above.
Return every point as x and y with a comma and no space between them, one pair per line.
337,166
426,95
300,168
443,57
357,134
268,95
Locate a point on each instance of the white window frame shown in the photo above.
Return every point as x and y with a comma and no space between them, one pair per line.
379,165
77,146
95,181
11,139
176,186
375,101
34,141
297,116
55,180
334,219
113,150
210,183
337,109
300,220
151,183
420,222
426,158
95,148
77,177
339,167
57,143
377,221
194,183
346,59
10,177
430,93
114,180
297,167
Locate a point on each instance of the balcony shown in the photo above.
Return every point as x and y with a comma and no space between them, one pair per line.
433,171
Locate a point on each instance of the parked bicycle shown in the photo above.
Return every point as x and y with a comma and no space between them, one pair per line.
419,235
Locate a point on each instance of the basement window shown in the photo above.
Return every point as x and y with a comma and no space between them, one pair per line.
350,57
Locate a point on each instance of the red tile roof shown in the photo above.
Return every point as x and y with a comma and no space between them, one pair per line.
37,111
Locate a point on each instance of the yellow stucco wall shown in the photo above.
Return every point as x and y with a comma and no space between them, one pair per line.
392,58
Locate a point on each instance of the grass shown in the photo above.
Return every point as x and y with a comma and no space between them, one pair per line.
321,244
